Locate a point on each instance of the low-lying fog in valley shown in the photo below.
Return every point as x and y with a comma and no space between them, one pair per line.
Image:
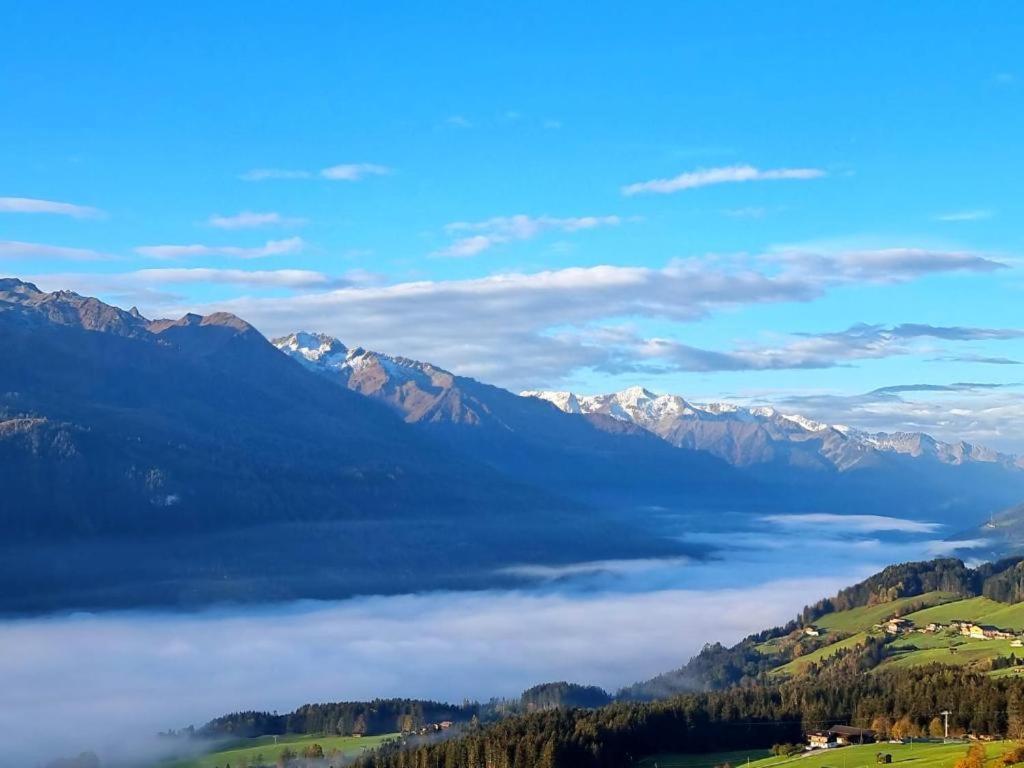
103,676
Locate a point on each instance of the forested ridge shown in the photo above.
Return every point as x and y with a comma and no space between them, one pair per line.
736,706
900,703
718,666
381,716
1002,580
728,700
343,718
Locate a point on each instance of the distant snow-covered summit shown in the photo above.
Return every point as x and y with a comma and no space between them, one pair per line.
743,436
746,436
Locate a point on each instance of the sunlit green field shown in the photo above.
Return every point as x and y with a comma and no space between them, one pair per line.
251,751
971,609
707,760
931,648
916,648
1006,616
860,619
921,755
800,664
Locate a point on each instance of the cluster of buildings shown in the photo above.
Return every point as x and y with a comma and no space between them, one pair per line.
429,728
839,736
898,626
985,632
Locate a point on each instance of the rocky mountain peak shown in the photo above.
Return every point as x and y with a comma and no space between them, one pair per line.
763,434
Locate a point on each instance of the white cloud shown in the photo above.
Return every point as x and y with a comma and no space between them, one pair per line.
942,548
151,288
594,567
980,413
528,330
32,205
270,248
275,278
14,249
725,175
480,236
263,174
885,265
354,171
817,350
342,172
975,215
149,672
253,220
853,523
467,246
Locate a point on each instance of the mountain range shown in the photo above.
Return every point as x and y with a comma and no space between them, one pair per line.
763,435
612,448
188,461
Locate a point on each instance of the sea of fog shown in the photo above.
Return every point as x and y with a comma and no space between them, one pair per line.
108,681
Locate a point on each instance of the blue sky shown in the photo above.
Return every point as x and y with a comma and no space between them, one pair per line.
473,186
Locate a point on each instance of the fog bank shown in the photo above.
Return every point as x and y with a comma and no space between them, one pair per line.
85,681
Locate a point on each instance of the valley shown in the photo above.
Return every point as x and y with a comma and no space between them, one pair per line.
519,385
158,462
887,655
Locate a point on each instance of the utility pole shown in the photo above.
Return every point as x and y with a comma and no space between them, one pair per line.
945,716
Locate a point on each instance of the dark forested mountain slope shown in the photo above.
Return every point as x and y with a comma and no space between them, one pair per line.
638,448
597,459
174,460
740,718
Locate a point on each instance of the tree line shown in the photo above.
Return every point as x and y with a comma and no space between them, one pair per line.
717,667
346,718
899,703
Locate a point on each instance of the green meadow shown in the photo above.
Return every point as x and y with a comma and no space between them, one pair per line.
917,755
860,619
252,751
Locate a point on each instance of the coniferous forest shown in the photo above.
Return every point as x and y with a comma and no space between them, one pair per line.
898,703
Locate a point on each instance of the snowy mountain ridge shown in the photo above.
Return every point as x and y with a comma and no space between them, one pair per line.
750,435
742,436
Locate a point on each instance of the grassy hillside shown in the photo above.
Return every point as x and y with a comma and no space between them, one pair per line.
971,609
263,750
862,619
920,755
800,664
843,631
708,760
1007,616
945,650
912,647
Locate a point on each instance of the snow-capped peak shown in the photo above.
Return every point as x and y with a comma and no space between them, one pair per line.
564,401
701,425
634,396
809,424
311,346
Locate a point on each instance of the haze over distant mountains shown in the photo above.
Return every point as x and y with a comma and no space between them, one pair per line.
188,461
759,435
778,461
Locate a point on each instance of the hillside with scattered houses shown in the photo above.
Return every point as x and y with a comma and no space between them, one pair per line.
907,615
924,656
